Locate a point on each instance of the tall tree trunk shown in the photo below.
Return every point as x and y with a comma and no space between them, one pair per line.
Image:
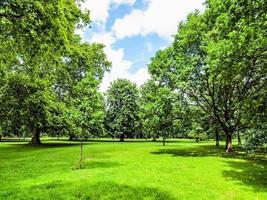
57,137
122,138
239,139
228,144
35,136
163,141
217,137
0,138
81,153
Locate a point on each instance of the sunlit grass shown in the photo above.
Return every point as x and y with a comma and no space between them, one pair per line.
129,170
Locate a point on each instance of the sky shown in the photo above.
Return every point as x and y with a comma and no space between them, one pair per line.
133,31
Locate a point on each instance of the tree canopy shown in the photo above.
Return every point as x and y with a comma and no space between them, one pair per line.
122,109
49,78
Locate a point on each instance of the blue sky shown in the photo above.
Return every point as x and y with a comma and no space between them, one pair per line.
132,31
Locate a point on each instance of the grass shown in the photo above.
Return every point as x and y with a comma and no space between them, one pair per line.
129,170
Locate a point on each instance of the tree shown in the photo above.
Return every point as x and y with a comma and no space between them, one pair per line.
156,110
164,104
34,36
217,59
42,64
236,52
88,111
148,109
26,101
78,81
122,109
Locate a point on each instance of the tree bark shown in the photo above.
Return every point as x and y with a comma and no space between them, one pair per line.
217,137
35,136
0,138
122,138
228,144
81,153
163,141
239,139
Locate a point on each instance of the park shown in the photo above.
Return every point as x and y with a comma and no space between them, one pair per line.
135,169
109,99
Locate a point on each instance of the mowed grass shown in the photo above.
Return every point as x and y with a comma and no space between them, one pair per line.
130,170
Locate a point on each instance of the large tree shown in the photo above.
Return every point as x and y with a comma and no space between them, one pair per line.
218,59
42,65
122,109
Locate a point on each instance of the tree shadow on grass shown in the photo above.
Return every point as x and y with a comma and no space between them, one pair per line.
49,145
249,169
13,140
209,150
135,141
248,172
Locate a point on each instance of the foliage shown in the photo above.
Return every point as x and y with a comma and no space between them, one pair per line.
218,61
156,110
197,133
122,109
48,77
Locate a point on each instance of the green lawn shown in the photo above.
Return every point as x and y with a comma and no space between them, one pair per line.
129,170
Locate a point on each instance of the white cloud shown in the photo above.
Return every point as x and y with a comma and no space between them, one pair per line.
160,17
120,66
99,8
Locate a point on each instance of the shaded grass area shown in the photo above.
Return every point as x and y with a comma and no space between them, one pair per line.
248,169
130,170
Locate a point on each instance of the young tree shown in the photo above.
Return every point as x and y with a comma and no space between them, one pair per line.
122,109
88,107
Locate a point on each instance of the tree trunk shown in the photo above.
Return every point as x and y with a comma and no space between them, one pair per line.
239,139
57,137
35,136
81,153
71,137
0,138
217,137
163,141
122,138
228,144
